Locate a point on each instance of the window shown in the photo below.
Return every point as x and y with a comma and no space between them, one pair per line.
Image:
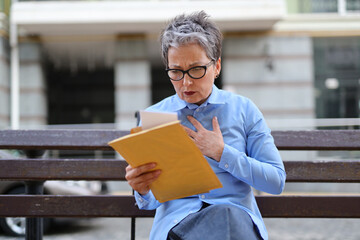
337,77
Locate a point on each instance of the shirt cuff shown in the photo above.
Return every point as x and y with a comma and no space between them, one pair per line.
227,158
142,200
224,163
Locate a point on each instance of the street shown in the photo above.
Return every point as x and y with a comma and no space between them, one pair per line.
279,229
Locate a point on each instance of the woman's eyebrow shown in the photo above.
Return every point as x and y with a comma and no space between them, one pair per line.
174,66
196,64
190,66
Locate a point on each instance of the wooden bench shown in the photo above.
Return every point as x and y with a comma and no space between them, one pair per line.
34,171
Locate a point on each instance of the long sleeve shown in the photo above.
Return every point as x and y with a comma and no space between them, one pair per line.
260,166
260,174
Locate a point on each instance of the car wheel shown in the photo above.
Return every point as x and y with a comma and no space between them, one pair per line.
15,226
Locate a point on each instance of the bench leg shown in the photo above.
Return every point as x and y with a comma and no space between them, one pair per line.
133,228
34,229
133,219
34,226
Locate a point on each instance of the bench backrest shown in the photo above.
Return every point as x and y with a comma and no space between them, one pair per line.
124,206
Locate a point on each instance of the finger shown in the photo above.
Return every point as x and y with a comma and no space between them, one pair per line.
146,178
142,183
196,123
145,168
189,131
216,126
135,172
128,168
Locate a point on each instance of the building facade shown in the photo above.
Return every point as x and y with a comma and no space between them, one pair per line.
85,62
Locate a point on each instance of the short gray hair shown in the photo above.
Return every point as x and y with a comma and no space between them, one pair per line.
193,28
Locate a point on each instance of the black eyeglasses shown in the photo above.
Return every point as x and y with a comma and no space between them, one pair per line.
194,72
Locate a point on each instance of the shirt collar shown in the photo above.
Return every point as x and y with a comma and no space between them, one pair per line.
215,98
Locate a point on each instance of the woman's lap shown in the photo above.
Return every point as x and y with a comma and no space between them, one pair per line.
223,221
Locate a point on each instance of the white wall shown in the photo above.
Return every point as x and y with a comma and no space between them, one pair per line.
4,83
275,72
33,100
132,81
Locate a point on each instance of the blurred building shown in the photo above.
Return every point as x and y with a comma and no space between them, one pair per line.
77,62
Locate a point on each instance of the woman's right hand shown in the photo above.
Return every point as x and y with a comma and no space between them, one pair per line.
141,177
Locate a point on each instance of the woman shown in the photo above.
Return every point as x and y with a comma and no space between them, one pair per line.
228,129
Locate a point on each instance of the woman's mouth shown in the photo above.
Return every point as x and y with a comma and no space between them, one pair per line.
189,93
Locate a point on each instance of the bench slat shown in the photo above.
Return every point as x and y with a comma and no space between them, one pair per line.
70,206
62,169
59,139
124,206
94,169
98,139
310,206
324,171
317,140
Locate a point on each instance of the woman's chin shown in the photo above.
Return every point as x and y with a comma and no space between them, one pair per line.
190,99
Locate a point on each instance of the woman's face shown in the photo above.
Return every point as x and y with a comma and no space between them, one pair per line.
188,56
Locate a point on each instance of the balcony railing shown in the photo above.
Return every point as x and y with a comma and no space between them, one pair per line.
5,6
353,5
341,7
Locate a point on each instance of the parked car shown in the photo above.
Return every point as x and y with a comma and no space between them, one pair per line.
16,226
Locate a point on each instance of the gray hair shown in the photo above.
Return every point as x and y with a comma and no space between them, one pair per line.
193,28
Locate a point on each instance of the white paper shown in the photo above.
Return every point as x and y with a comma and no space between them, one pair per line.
153,119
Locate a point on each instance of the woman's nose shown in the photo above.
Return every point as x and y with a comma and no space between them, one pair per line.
187,80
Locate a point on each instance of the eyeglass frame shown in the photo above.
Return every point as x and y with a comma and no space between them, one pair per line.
187,71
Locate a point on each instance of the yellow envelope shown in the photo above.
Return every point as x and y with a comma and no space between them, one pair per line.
184,170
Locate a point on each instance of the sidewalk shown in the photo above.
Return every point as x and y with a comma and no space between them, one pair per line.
279,229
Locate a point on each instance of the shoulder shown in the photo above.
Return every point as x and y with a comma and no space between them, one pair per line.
241,107
236,100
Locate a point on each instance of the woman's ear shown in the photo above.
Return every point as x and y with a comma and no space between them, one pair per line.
217,68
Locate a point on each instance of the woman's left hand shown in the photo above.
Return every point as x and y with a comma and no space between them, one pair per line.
210,143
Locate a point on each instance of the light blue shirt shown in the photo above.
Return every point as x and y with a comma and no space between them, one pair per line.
250,159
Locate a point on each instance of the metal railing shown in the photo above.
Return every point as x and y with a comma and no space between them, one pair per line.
341,7
5,6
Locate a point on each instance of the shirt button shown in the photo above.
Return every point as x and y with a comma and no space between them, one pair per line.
140,199
226,165
203,196
176,221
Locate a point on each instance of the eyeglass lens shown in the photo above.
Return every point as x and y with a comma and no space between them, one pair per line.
196,73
